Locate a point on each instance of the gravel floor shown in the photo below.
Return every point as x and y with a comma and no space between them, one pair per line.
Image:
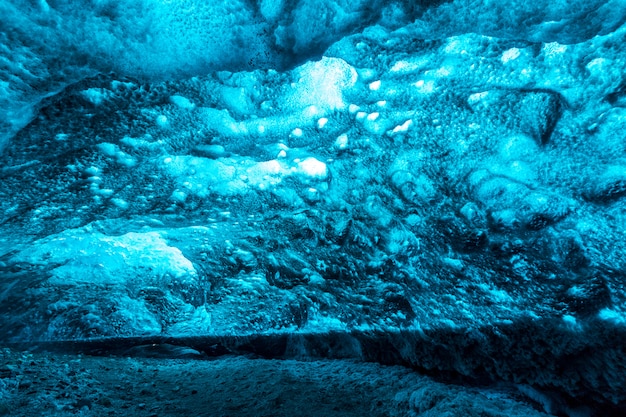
38,384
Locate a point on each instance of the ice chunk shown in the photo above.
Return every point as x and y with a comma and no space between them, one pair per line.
409,66
112,150
479,100
96,95
615,317
211,151
514,204
510,55
271,9
313,168
162,121
353,108
425,87
178,196
608,186
323,84
182,102
403,127
375,85
519,147
341,142
222,122
108,149
375,124
85,256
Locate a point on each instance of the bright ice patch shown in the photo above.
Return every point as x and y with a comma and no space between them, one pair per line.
85,256
342,141
375,86
313,168
182,102
510,55
323,83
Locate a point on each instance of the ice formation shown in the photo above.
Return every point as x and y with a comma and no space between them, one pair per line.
434,183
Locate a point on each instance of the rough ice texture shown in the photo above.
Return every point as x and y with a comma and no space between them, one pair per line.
449,194
48,45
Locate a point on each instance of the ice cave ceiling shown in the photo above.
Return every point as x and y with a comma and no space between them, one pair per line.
435,183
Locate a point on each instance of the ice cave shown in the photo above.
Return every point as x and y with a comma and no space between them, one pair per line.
376,208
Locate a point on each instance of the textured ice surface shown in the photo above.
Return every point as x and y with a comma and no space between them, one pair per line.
49,45
453,173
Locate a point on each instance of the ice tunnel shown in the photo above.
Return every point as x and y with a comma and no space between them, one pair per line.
313,208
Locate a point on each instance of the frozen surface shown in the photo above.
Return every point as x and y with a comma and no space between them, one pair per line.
448,177
47,45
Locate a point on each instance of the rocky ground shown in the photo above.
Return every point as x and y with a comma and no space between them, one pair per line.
34,384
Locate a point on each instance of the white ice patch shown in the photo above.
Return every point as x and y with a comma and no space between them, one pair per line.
477,98
271,9
425,87
353,108
200,176
409,66
375,86
113,151
519,147
182,102
313,168
597,67
120,203
457,46
615,317
510,55
341,142
230,176
444,71
162,121
375,124
178,196
322,84
403,127
222,122
272,167
108,149
571,322
96,95
553,49
88,257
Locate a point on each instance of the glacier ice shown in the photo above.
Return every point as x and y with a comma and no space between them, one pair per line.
438,183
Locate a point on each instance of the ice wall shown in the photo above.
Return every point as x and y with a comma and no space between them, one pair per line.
433,183
49,45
